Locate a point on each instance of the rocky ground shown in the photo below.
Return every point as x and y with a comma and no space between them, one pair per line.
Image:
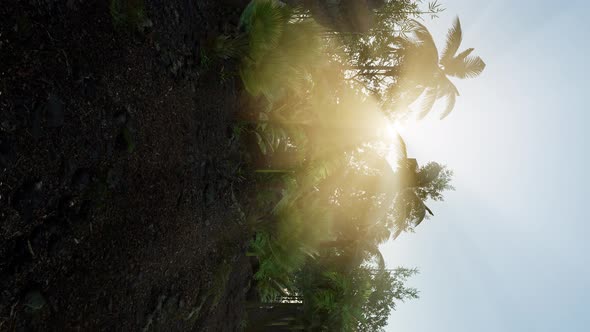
119,183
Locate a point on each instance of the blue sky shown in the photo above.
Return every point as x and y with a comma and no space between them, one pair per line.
507,250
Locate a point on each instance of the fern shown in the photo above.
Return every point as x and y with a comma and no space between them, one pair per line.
279,49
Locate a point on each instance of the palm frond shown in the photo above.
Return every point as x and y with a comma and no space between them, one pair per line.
424,41
410,211
468,67
428,99
454,38
301,42
396,234
264,22
461,56
419,211
429,210
225,47
376,254
474,66
450,104
280,51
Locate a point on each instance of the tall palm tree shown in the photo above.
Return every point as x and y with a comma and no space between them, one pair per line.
406,191
426,74
410,209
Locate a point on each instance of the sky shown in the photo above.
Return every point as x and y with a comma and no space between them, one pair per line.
507,250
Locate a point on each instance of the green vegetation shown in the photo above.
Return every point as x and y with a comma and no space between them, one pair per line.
333,182
129,14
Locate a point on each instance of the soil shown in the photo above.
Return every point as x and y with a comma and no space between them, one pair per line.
119,183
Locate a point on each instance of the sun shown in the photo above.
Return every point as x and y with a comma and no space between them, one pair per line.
392,130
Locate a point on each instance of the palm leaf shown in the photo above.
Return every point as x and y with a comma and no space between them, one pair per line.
375,253
423,39
449,91
461,56
397,233
454,38
474,66
264,22
420,211
301,42
466,67
428,209
410,211
225,47
429,98
450,104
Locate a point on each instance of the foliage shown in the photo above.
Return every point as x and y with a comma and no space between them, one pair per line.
277,62
397,62
373,56
355,300
413,70
285,239
128,13
333,193
427,182
224,47
425,75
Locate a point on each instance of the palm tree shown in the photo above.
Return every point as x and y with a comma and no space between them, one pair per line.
406,191
424,73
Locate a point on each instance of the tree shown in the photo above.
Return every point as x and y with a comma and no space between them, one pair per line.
398,67
357,300
423,73
420,184
369,56
336,196
386,288
386,201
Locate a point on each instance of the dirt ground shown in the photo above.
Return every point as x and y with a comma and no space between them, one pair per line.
118,170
